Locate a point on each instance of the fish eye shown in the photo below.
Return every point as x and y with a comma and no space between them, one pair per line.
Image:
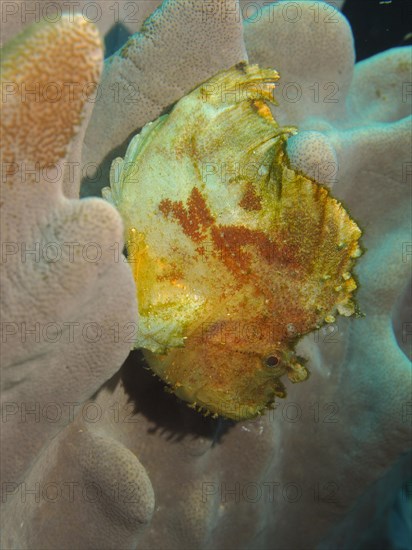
272,361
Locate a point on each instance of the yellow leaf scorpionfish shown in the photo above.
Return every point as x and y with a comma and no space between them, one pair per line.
234,254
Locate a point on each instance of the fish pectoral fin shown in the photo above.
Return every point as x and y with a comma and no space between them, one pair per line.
122,169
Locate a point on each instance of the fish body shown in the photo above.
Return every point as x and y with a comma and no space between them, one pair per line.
235,255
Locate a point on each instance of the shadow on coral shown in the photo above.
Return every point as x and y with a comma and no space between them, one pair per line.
402,313
92,185
164,410
115,38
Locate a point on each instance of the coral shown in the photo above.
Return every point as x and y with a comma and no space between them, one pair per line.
106,16
57,269
295,472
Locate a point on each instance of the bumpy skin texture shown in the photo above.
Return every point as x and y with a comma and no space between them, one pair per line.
338,433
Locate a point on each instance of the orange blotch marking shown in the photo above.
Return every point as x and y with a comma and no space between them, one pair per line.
194,219
262,109
250,201
230,240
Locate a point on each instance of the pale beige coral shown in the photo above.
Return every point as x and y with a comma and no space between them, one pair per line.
316,72
252,9
51,343
104,482
105,15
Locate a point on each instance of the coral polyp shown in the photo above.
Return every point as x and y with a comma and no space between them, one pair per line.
235,255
